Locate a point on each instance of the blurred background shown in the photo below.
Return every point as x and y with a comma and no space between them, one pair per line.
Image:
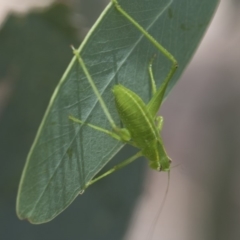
201,132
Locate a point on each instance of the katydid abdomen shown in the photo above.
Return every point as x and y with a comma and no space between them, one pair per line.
135,116
138,121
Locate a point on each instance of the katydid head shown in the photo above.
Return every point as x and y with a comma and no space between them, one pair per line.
165,164
159,160
161,165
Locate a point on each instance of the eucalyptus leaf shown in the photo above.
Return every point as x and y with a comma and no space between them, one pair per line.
65,156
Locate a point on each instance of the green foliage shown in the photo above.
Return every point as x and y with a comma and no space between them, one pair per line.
65,156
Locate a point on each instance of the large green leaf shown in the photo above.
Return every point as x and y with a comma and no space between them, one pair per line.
65,156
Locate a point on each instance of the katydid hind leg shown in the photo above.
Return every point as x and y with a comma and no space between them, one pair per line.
157,99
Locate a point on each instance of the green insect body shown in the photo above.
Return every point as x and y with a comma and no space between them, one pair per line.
142,128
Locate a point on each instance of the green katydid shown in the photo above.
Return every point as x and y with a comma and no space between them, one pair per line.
141,125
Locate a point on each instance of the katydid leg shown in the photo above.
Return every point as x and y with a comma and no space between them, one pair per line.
115,168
